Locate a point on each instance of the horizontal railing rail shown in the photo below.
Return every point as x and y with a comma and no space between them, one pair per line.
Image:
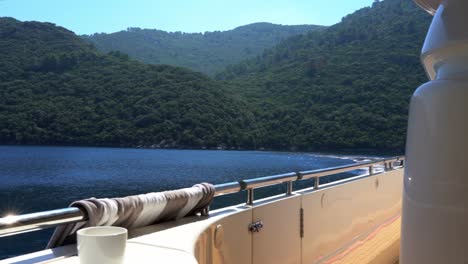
16,224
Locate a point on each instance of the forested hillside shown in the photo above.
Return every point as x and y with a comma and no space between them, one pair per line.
56,89
207,52
346,87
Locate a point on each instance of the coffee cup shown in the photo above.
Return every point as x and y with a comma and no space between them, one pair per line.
103,244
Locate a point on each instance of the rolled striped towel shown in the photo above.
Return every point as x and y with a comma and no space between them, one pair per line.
136,211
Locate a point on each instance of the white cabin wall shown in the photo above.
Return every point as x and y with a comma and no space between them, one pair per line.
279,241
227,241
335,217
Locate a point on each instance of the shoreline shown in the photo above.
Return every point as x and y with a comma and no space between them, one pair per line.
357,155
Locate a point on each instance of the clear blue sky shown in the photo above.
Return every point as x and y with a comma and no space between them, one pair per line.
90,16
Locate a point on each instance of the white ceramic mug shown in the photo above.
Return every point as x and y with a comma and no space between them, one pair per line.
102,244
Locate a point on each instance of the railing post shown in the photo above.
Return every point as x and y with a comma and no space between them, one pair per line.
250,196
316,183
205,211
289,188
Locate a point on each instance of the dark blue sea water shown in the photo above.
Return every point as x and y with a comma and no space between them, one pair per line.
41,178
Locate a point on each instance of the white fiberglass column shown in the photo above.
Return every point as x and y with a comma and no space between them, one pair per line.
435,196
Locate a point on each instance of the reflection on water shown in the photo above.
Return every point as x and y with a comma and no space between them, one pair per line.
42,178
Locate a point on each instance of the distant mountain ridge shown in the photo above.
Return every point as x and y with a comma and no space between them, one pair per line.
208,52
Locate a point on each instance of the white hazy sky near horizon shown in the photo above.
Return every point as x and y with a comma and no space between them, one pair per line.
91,16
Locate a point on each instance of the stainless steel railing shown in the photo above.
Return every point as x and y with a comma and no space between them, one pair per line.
11,225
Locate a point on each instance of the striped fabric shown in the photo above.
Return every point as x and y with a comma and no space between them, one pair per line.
136,211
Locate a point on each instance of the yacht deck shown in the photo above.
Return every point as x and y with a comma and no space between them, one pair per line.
356,220
373,247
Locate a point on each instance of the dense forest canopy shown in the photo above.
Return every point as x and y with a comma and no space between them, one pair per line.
342,87
204,52
56,89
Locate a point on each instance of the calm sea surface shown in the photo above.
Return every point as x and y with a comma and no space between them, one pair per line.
42,178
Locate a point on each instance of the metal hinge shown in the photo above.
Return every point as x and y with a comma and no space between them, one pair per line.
301,217
255,227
